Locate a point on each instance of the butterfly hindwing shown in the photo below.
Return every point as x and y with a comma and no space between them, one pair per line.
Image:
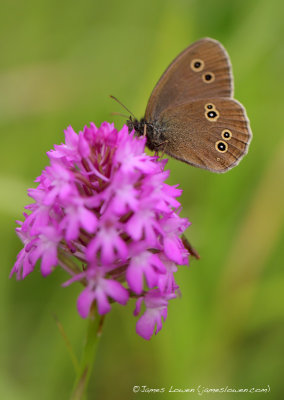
210,133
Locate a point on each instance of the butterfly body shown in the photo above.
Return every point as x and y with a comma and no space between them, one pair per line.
155,133
191,114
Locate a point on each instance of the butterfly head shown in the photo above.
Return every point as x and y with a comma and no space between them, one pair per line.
138,126
154,136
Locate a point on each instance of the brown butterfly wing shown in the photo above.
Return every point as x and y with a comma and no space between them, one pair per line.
186,77
215,141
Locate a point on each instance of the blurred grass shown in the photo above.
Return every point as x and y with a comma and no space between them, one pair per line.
59,62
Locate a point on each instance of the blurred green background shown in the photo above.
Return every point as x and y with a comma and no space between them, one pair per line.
59,62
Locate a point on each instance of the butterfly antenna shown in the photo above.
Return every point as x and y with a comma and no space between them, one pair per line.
119,102
121,115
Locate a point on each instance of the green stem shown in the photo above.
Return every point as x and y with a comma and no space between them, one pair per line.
88,356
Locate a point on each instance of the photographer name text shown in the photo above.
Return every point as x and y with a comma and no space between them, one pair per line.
202,389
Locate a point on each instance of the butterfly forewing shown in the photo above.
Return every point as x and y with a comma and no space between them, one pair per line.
211,133
202,70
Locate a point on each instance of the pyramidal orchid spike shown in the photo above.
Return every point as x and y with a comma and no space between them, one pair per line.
103,211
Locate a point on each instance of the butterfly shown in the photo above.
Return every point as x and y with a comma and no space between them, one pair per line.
191,114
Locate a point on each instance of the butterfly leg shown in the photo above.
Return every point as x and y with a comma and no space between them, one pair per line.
145,130
165,142
190,249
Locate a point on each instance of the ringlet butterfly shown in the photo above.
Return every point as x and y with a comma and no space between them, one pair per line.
191,114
